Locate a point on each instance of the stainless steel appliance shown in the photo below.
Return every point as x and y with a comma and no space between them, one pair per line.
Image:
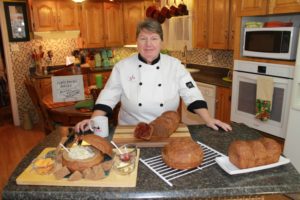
243,105
275,43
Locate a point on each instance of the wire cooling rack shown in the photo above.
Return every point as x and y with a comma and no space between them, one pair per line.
167,174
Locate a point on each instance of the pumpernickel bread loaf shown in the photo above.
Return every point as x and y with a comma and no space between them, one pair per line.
162,127
182,154
253,153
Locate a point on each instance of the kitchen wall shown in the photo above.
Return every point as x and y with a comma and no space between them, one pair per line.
22,61
209,57
21,57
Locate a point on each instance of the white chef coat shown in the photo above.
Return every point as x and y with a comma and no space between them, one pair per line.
146,91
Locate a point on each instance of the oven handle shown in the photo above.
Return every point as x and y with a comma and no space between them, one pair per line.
263,74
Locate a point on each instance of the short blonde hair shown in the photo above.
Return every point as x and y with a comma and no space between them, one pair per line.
150,25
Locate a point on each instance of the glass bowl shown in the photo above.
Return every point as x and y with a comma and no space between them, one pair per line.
124,161
43,166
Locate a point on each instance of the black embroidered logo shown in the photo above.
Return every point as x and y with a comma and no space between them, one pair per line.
189,84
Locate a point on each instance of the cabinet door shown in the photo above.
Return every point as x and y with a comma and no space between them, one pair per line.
223,104
232,20
218,24
92,28
133,12
252,7
44,15
200,26
67,15
283,6
113,24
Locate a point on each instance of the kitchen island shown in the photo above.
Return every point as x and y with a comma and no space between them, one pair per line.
207,183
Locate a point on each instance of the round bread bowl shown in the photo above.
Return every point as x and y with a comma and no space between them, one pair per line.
182,154
82,164
99,145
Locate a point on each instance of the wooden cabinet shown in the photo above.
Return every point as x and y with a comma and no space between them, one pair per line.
200,24
113,24
252,7
68,14
92,28
54,15
214,23
218,20
133,12
263,7
223,104
284,6
232,22
102,24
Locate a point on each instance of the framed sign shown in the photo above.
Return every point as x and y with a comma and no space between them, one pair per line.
67,88
16,20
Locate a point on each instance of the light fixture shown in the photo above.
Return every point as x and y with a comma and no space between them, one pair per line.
78,1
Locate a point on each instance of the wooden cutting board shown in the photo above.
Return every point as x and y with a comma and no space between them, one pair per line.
124,135
30,177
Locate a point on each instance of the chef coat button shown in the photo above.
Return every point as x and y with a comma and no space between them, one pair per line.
140,104
140,83
157,67
161,105
159,84
140,65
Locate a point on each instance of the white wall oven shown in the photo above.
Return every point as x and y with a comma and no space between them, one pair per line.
243,106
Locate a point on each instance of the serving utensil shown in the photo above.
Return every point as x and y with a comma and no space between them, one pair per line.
60,144
113,143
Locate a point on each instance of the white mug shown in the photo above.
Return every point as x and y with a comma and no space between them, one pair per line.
99,125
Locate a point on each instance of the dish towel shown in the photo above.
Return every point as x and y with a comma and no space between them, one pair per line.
264,96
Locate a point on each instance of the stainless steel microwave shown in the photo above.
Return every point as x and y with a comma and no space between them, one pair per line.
272,43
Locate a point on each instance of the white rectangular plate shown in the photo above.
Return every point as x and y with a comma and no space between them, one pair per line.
227,166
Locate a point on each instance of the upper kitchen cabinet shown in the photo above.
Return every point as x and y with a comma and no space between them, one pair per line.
214,23
133,12
200,27
92,26
263,7
284,6
54,15
102,24
218,20
252,7
232,22
113,24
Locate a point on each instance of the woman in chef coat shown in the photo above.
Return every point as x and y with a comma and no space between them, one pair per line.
150,83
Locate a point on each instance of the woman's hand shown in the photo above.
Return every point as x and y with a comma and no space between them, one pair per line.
216,124
211,122
82,126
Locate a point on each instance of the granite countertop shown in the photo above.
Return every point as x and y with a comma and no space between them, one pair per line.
210,75
209,182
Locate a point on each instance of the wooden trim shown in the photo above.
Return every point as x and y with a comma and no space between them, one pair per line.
8,64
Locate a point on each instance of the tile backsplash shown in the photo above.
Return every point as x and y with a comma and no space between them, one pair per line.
21,55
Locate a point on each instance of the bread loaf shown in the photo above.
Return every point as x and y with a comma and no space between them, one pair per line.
182,154
253,153
161,127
